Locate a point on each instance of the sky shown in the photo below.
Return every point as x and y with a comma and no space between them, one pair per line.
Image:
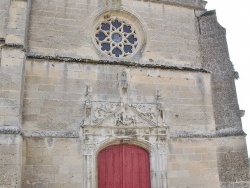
234,16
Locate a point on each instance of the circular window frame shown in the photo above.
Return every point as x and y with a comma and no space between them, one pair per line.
129,20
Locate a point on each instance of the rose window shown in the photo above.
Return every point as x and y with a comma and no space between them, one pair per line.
116,38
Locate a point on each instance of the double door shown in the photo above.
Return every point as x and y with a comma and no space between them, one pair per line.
123,166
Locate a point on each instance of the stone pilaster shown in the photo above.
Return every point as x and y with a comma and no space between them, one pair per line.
11,92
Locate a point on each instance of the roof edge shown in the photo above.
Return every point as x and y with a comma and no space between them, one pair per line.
193,4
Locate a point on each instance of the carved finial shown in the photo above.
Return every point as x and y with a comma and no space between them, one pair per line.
88,93
123,85
158,96
124,80
88,106
160,108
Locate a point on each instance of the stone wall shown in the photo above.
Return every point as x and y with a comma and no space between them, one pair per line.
4,11
11,74
232,173
216,60
220,162
17,27
177,94
54,94
65,29
226,109
193,163
10,160
52,162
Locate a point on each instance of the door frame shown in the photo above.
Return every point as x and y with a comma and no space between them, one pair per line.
153,139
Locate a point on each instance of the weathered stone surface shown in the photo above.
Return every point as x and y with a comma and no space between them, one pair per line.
16,29
216,60
171,39
52,161
10,160
4,10
62,100
232,163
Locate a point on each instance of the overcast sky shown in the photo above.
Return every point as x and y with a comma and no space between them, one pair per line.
234,16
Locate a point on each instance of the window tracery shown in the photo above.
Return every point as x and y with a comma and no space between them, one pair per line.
116,38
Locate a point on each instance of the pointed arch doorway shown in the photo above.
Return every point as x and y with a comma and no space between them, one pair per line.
123,166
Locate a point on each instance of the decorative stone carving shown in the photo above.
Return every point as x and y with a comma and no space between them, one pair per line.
118,114
153,139
116,37
103,110
88,105
125,118
148,111
124,86
124,82
123,113
120,122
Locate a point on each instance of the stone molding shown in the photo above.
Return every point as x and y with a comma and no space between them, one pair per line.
71,134
10,130
15,46
196,4
154,140
123,112
112,123
216,134
53,134
119,114
103,62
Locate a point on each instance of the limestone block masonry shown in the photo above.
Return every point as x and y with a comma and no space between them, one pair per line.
79,76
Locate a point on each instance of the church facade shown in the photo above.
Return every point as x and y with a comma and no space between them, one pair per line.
117,93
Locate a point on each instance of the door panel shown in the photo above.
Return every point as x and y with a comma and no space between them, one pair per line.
110,167
123,166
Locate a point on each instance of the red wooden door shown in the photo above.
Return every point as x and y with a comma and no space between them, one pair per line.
123,166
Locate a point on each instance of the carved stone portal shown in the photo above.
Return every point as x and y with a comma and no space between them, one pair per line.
154,140
112,123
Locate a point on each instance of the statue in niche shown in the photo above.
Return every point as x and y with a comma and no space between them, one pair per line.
123,85
159,107
124,80
88,105
88,93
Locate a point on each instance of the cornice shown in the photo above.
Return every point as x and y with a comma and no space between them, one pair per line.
105,62
192,4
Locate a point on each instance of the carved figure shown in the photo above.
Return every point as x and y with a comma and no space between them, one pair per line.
125,119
